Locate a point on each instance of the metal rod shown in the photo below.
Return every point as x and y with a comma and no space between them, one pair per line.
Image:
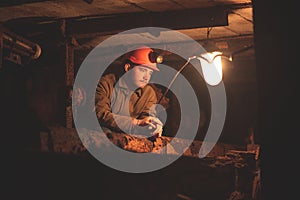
185,64
33,49
178,72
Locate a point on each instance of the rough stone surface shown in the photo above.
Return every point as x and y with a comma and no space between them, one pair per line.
67,141
228,172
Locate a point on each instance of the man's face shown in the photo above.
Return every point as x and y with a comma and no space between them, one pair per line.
140,75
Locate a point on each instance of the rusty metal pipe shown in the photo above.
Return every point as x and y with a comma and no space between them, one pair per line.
17,42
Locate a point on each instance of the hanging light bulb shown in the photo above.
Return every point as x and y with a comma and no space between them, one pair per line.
211,67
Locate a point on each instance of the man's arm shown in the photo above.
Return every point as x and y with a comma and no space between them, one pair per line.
104,114
148,116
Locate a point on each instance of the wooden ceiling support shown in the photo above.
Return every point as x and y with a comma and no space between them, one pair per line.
179,19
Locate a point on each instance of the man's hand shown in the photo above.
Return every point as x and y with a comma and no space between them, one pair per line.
158,131
152,123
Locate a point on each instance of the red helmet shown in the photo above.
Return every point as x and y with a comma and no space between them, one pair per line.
143,56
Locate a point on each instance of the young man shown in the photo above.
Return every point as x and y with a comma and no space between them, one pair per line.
127,103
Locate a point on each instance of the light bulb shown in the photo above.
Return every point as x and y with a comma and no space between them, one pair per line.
211,67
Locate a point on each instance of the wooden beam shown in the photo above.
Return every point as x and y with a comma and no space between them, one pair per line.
8,3
1,46
180,19
69,62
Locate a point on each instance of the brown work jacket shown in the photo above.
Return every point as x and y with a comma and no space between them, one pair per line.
112,96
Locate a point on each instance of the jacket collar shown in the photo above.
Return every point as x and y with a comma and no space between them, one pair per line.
124,87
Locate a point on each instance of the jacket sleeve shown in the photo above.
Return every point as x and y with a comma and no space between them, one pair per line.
103,109
149,108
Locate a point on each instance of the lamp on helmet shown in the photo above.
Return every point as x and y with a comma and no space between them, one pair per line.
145,56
